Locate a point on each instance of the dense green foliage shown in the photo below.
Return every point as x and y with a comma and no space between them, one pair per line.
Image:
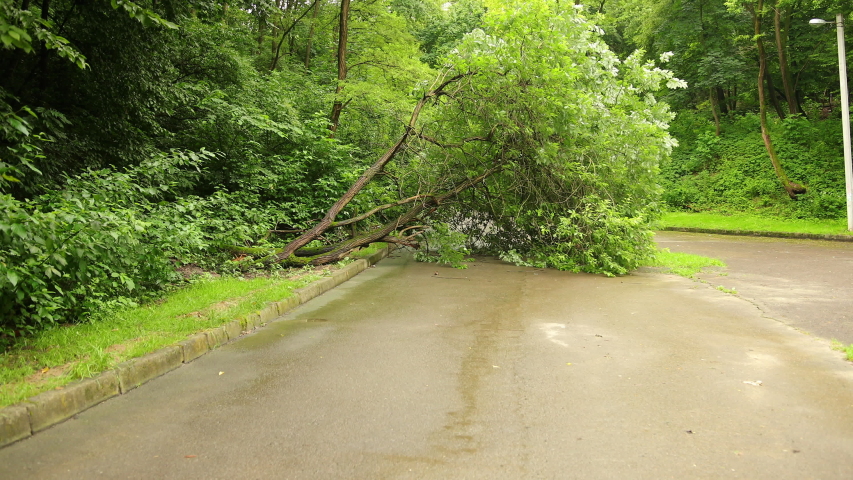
580,170
731,173
722,163
108,115
137,136
556,146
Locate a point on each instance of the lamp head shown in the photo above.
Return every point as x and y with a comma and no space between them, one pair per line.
818,21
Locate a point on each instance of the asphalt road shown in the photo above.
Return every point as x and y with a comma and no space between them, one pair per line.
413,371
807,284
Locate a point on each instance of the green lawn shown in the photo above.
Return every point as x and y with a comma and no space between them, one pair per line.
60,355
684,264
753,223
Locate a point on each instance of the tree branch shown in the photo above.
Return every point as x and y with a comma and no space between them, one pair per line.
368,175
378,209
283,35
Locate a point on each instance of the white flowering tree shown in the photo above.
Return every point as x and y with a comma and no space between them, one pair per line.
536,141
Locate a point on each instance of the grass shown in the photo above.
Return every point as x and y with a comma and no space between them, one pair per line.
61,355
684,264
753,223
848,350
58,356
369,250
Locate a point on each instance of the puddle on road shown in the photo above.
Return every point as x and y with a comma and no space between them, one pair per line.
554,330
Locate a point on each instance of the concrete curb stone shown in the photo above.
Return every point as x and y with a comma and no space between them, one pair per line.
216,337
134,373
353,269
49,408
314,290
267,315
14,424
234,329
287,304
52,407
251,322
194,347
756,233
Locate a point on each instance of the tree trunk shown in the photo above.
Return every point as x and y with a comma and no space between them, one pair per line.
793,189
43,77
774,98
276,53
328,220
722,101
712,95
342,66
311,35
784,68
425,203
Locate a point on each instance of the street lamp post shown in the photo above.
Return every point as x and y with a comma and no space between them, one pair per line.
845,112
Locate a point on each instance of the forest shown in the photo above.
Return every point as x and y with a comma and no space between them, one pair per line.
246,136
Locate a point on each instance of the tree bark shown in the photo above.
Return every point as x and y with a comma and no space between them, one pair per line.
722,101
311,36
793,189
771,88
338,107
277,50
43,74
784,68
327,221
430,202
713,97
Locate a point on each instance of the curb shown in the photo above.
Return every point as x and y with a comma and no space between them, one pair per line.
46,409
756,233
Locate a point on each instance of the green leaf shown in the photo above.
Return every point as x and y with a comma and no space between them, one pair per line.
18,125
12,277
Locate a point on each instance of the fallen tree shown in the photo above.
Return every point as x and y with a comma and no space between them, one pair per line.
535,140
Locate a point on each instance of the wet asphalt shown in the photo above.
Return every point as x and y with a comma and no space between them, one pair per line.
414,371
807,284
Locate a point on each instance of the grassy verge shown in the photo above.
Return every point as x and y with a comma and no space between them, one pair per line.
847,349
58,356
369,250
753,223
684,264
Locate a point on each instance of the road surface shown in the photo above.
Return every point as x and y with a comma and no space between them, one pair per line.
414,371
805,283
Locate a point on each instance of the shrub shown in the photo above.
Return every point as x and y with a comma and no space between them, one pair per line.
66,253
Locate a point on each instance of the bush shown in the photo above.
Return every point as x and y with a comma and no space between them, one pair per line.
90,244
59,264
445,246
594,238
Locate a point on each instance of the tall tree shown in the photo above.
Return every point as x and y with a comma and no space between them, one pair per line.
758,11
546,151
289,8
310,39
782,26
343,35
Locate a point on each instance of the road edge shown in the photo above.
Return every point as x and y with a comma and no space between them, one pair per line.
46,409
758,233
